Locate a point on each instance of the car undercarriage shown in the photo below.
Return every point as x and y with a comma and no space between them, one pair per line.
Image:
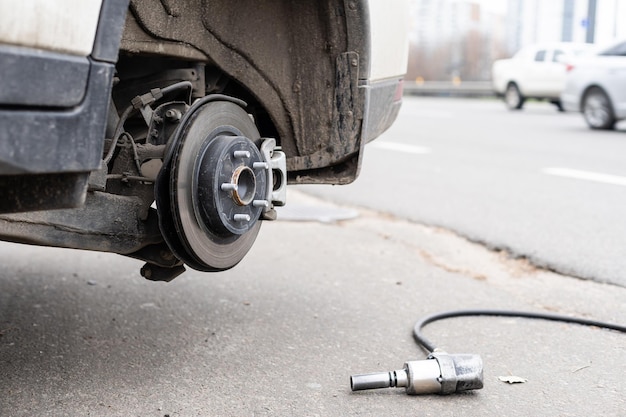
195,116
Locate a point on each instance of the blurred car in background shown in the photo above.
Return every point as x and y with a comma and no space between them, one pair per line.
596,86
536,72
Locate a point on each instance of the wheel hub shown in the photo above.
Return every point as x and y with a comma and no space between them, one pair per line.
230,184
215,185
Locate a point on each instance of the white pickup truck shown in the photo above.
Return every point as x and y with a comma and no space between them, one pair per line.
166,130
535,72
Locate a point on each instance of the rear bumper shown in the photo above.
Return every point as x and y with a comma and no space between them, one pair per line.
383,100
47,152
32,77
65,138
53,106
53,112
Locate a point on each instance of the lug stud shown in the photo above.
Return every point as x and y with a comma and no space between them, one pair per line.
241,218
228,186
261,203
241,154
261,165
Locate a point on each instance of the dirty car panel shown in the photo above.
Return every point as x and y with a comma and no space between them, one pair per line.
204,108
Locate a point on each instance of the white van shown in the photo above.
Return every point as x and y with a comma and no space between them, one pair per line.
208,108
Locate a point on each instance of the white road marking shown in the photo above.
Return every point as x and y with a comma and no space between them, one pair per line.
586,175
401,147
433,114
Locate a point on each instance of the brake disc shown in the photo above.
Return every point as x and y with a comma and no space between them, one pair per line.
213,189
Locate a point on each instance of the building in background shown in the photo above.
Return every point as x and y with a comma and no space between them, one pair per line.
454,40
534,21
459,39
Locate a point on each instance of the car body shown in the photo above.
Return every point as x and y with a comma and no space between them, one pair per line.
596,86
535,72
204,108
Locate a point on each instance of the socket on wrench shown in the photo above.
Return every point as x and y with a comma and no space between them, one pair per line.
440,373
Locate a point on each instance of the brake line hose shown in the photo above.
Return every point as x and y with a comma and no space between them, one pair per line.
443,373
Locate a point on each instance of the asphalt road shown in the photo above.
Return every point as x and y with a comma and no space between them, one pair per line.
82,334
536,183
327,291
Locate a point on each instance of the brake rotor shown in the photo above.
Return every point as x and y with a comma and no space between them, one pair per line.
212,192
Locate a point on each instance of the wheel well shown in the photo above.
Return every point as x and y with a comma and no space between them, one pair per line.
513,83
138,73
298,64
589,89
